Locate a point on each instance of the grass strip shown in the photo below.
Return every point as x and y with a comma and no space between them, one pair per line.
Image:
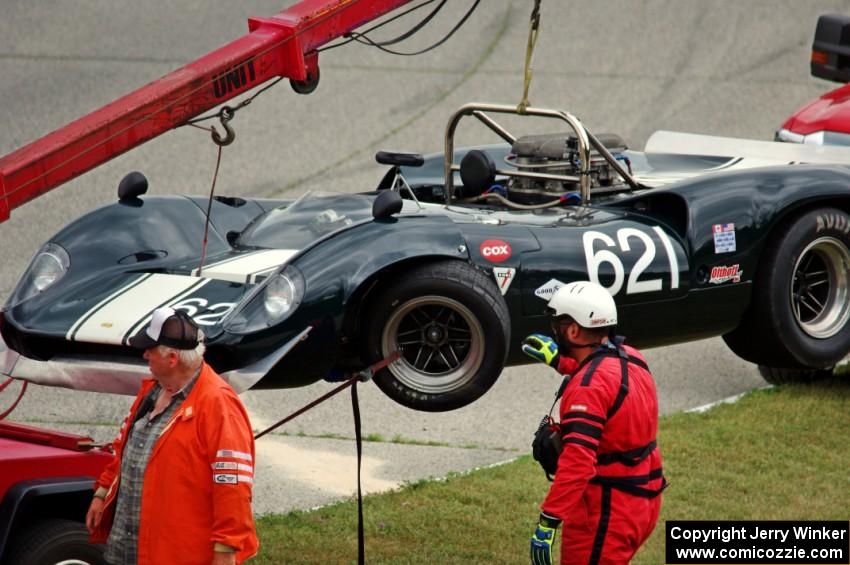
778,454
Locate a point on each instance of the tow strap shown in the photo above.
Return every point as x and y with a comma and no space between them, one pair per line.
363,376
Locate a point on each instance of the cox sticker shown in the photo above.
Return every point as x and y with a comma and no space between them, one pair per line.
495,250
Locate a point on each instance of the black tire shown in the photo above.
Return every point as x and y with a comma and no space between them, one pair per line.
780,376
427,314
799,317
56,541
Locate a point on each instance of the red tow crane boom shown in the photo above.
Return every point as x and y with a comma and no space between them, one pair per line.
283,45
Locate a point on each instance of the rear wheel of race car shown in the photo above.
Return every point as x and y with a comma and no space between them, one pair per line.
451,326
799,318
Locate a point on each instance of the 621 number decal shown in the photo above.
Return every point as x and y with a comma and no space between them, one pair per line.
595,258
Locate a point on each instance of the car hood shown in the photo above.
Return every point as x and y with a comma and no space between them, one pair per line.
113,308
117,279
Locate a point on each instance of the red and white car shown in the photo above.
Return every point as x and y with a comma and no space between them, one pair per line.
825,120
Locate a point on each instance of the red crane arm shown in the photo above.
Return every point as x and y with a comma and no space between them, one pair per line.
283,45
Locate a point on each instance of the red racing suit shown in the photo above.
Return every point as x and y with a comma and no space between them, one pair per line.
609,473
197,485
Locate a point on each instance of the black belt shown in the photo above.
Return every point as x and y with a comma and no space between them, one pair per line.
631,485
628,458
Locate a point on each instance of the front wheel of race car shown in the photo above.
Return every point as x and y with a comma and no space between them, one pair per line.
800,314
451,327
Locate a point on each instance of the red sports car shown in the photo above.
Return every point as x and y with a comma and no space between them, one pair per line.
825,120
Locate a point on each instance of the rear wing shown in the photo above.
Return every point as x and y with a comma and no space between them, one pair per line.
767,152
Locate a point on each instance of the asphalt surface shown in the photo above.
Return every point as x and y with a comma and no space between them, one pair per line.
716,67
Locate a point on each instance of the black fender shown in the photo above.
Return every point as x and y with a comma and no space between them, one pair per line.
338,273
756,201
370,252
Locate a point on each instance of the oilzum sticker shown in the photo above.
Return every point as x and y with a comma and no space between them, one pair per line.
721,274
504,278
547,290
724,238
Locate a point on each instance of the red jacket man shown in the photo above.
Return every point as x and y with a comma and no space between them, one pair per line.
188,442
605,490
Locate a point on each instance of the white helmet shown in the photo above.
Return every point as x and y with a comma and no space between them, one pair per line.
589,304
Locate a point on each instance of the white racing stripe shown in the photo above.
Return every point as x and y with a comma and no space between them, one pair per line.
246,268
123,289
170,302
113,319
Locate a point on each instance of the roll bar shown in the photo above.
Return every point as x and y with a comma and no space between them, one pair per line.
584,137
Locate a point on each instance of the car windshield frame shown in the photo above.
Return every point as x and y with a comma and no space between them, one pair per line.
312,216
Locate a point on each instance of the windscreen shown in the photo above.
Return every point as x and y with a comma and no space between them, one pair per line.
312,216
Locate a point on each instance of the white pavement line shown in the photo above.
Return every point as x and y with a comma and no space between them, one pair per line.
729,400
400,486
474,469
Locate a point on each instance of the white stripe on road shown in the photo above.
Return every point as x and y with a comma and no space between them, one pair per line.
728,400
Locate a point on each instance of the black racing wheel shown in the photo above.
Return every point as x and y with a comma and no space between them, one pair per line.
451,326
800,311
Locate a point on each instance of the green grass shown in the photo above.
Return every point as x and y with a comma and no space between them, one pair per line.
777,454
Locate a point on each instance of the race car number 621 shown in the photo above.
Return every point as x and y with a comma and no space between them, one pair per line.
634,286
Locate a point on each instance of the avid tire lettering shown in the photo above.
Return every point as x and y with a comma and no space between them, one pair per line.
832,221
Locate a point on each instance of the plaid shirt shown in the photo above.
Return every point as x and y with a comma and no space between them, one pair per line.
122,545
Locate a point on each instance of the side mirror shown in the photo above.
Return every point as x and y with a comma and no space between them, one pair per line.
132,186
387,203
